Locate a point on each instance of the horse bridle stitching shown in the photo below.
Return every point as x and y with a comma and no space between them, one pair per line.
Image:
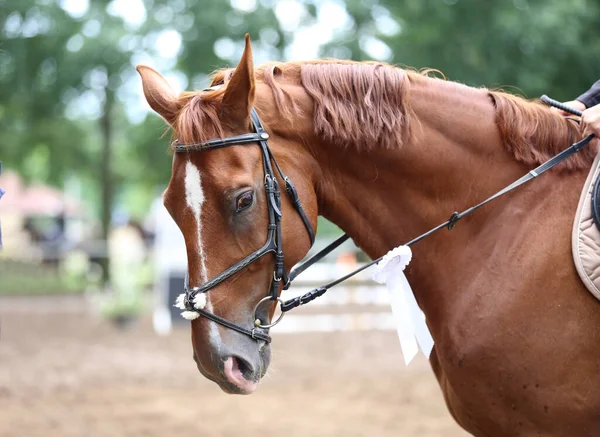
274,205
274,241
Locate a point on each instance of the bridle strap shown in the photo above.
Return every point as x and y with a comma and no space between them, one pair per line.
289,186
297,270
217,143
255,332
269,246
290,189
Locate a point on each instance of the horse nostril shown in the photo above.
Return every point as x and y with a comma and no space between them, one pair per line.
245,368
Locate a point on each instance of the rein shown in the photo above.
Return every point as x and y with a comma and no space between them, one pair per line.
274,238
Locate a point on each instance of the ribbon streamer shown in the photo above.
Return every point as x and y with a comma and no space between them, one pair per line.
410,320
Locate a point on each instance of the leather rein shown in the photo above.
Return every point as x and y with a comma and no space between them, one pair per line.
274,243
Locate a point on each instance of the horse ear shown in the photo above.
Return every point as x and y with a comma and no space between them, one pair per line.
239,94
159,94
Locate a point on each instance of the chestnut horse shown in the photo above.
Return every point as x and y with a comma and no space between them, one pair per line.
386,154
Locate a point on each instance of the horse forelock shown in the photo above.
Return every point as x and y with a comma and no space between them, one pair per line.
198,118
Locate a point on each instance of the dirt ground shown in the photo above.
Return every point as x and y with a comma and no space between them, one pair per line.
64,372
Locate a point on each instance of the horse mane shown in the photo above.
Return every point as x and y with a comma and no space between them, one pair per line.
534,134
367,105
363,105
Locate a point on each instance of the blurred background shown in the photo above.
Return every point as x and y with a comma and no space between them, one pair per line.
91,261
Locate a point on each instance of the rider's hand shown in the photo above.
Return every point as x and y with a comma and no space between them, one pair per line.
590,121
575,104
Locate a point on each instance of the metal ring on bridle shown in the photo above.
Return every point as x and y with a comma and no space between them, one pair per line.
270,325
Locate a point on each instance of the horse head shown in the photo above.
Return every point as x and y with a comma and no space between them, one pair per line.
227,202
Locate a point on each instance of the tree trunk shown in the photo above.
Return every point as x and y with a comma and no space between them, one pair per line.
106,179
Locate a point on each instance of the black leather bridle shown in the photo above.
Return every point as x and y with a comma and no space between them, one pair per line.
274,243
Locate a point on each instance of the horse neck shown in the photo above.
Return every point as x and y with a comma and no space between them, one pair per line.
385,197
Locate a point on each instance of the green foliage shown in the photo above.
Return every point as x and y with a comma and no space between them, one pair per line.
534,46
19,278
57,72
203,24
122,305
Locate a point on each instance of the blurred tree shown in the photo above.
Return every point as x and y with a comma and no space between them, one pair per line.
30,100
213,32
536,46
56,76
66,74
61,72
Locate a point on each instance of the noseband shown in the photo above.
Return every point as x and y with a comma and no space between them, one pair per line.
274,243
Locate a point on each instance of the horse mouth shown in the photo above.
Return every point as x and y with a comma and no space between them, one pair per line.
237,375
240,374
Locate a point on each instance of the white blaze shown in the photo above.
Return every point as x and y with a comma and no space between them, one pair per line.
194,197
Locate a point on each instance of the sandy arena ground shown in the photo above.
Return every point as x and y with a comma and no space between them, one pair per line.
65,373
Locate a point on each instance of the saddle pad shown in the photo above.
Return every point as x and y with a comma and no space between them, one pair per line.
585,240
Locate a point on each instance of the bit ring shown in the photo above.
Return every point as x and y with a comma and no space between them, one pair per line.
258,322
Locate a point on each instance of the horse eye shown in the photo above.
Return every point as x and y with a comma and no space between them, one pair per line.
244,201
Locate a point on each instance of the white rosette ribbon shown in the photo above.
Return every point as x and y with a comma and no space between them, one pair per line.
410,320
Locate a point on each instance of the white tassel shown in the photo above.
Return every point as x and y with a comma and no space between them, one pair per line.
190,315
179,302
200,301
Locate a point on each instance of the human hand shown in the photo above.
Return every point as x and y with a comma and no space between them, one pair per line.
590,121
